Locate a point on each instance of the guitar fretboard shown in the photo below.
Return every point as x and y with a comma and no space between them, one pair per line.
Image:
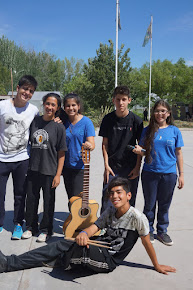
85,195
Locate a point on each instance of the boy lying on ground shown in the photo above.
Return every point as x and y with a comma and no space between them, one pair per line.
123,224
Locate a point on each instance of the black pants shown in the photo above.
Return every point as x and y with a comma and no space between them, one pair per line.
73,181
65,253
19,171
36,181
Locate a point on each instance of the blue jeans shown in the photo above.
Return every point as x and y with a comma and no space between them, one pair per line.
158,189
19,171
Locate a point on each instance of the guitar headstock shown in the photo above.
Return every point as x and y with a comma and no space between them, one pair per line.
85,153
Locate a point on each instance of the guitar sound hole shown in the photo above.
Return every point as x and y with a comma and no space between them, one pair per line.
84,211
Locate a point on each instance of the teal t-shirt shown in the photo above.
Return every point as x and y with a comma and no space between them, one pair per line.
163,155
75,136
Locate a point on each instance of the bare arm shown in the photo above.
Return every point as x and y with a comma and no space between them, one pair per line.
90,143
137,150
56,180
179,157
135,172
57,120
108,169
83,237
151,253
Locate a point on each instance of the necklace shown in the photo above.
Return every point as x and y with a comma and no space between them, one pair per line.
70,127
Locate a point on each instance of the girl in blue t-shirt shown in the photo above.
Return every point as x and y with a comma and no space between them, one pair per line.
79,131
162,142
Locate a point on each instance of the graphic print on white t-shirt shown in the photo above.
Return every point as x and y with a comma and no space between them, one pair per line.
15,135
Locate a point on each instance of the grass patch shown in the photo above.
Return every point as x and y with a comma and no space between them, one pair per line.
178,123
184,124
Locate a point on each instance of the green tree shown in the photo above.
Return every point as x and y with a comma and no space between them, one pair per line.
5,80
162,78
139,85
50,72
182,82
100,71
82,86
173,82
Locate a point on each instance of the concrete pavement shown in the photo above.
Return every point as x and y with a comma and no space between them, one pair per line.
136,272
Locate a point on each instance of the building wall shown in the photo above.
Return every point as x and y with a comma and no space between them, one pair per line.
179,112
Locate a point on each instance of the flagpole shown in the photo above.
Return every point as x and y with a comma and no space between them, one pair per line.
150,69
116,53
12,82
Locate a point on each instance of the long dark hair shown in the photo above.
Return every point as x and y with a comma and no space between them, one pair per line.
153,128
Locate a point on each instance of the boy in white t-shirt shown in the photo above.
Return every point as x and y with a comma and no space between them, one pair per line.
16,116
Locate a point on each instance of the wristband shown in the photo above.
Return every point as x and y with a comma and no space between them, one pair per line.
84,232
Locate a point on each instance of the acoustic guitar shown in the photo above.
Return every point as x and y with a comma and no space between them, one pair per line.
83,212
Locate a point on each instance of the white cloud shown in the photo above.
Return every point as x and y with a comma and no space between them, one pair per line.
184,23
189,62
4,29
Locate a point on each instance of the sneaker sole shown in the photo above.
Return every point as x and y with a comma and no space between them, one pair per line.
167,244
39,241
15,238
26,238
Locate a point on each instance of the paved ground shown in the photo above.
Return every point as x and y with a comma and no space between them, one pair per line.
136,271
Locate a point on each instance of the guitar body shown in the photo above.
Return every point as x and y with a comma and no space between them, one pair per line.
83,211
78,220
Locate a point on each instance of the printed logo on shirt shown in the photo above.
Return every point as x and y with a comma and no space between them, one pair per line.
121,128
170,142
40,139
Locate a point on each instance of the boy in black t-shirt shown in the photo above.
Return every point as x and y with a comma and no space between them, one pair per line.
119,129
123,223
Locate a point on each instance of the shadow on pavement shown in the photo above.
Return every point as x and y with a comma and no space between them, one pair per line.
136,265
69,275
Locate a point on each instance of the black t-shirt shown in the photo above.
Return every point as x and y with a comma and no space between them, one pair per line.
120,133
122,233
47,138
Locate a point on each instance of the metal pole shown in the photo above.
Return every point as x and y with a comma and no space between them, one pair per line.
116,54
150,70
12,82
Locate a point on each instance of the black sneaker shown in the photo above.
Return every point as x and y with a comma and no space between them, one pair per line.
151,238
165,239
3,263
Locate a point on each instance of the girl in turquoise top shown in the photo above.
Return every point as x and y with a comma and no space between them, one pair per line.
162,142
79,131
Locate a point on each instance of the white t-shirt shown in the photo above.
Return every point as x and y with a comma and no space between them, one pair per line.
14,130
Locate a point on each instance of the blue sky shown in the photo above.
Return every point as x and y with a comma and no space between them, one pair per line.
76,27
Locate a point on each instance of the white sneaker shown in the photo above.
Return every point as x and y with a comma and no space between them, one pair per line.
42,238
26,235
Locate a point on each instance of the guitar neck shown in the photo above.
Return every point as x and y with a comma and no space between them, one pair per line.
85,195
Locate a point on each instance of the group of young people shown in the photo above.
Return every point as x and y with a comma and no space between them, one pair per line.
161,144
43,148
